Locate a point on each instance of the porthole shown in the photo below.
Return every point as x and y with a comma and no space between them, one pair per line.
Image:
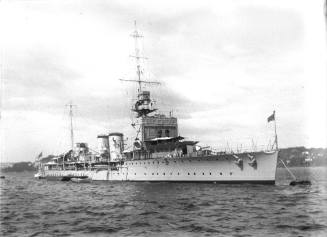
202,173
148,162
231,173
178,173
157,173
152,173
188,173
221,173
194,173
135,174
144,162
153,162
210,173
136,163
164,174
171,173
158,162
132,163
144,173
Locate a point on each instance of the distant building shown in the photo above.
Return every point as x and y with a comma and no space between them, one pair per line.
4,165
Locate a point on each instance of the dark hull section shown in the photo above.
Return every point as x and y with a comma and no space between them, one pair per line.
265,182
64,178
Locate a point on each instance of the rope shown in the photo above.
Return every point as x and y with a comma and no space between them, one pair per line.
288,170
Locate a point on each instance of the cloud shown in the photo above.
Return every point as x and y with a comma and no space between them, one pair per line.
35,80
223,67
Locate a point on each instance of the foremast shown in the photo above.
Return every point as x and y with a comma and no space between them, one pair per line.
144,105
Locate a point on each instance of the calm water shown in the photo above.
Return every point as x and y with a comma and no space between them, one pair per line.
47,208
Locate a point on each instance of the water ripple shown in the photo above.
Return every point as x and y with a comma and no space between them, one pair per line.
31,207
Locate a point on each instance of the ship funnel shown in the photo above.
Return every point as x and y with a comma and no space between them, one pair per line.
103,144
116,146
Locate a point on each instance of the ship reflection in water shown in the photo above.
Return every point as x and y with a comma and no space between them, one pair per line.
32,207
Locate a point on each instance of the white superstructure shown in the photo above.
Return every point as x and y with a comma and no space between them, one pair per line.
213,168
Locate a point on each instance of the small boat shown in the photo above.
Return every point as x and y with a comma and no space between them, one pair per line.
81,180
38,176
300,182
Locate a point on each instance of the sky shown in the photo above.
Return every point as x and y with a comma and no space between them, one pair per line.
224,66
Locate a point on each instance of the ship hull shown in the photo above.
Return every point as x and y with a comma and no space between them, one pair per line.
259,167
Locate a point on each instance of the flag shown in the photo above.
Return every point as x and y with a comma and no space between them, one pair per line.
38,157
271,117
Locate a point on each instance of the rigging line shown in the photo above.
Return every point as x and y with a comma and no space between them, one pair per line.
288,170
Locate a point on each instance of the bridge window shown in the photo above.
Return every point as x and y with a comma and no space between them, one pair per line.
159,133
167,133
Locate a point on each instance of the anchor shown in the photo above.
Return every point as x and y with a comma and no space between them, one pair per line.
238,161
253,162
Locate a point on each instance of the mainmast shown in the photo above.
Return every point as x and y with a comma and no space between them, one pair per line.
70,105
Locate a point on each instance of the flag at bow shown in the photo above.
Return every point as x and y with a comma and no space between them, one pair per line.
271,117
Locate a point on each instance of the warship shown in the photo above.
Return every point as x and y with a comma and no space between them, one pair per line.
159,153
